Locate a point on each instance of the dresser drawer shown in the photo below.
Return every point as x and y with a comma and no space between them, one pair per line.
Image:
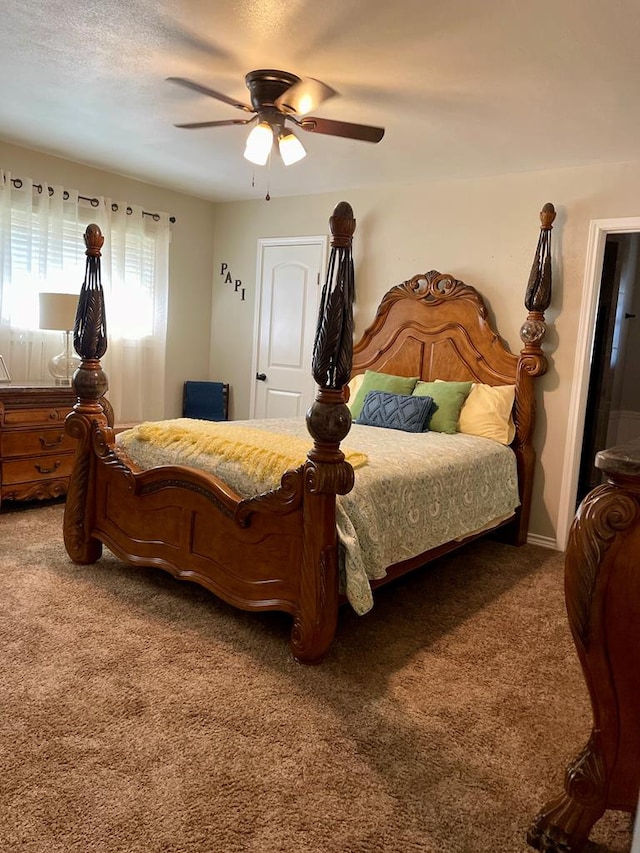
28,417
37,468
35,442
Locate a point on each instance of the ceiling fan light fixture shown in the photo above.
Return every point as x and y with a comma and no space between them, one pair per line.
290,147
278,97
259,144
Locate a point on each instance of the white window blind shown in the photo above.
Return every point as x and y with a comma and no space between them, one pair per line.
42,261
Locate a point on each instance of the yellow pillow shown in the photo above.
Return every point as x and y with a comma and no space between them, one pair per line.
354,386
487,412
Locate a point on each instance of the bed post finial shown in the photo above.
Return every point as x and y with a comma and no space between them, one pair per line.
333,345
90,331
538,295
329,419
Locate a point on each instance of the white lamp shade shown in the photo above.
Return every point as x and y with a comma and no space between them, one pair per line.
291,149
58,311
259,143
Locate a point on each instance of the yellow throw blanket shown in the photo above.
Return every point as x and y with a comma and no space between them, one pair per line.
263,454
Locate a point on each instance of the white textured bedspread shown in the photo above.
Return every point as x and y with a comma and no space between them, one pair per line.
415,492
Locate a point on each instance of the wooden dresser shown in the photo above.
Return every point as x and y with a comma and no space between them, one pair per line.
36,455
602,593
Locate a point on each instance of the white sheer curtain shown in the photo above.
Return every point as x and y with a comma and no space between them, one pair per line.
135,277
38,252
42,249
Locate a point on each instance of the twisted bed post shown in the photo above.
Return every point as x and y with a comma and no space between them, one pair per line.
532,363
326,472
91,413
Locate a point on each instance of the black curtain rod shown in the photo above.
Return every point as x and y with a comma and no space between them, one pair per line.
94,202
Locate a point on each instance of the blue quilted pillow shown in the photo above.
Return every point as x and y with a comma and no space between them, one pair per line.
396,411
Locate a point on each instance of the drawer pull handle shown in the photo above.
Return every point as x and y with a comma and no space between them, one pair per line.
42,470
49,444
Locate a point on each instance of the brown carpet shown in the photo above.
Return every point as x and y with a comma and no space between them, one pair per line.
142,714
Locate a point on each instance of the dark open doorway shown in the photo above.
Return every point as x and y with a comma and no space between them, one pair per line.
613,401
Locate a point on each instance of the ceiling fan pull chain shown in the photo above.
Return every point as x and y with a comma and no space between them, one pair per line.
268,196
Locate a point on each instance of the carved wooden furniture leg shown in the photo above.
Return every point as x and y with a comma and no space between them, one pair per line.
602,591
326,474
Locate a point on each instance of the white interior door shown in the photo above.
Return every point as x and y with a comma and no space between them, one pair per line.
289,283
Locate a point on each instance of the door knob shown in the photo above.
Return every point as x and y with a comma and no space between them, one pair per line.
262,377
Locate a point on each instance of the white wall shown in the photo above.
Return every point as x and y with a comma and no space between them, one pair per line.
482,231
191,253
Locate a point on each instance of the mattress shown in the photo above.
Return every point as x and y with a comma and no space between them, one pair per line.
415,492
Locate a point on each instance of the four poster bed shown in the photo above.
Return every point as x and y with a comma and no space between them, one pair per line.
289,544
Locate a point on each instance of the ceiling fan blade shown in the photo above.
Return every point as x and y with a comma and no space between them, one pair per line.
304,96
204,90
342,128
225,123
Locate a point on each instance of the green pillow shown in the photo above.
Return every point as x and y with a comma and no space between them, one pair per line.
374,381
449,397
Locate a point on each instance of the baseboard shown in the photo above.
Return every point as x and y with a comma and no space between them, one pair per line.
543,541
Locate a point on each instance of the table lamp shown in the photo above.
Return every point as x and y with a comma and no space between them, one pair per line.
58,312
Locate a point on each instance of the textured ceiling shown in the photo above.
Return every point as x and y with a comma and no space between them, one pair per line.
464,88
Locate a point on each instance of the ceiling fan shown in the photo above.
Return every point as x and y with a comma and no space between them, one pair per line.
278,97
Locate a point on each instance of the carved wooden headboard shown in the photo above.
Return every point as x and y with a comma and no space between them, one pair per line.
436,327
